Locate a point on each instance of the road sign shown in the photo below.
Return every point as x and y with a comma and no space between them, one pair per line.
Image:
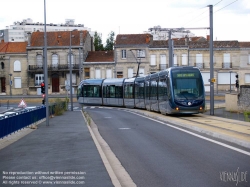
22,104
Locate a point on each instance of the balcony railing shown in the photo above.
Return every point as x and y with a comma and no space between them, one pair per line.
226,65
54,67
199,65
163,66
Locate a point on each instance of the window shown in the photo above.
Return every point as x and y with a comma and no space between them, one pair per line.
130,72
226,60
141,72
54,60
39,60
124,55
163,62
73,78
86,73
39,78
175,60
17,82
108,73
198,58
247,78
97,73
152,60
141,54
2,65
249,59
119,74
72,58
184,59
17,65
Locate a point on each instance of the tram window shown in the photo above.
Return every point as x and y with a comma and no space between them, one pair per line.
118,92
128,91
91,91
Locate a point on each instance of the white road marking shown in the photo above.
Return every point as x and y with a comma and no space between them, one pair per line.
197,135
124,128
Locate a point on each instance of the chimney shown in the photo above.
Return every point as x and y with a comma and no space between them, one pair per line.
208,37
29,38
186,40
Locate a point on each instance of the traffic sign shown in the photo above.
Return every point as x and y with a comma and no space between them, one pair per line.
22,104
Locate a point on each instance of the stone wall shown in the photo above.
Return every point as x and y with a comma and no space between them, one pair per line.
244,98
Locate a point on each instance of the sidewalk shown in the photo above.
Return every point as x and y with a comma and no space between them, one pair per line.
60,154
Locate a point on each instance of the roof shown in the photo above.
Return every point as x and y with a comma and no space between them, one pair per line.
133,39
59,38
13,47
198,42
100,56
244,44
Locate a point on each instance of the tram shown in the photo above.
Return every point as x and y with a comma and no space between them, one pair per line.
176,90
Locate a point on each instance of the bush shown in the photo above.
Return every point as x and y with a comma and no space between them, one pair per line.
59,107
246,115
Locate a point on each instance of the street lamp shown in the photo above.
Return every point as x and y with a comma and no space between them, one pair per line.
10,84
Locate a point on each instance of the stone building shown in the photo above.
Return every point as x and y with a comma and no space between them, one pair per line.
13,69
132,51
99,64
63,47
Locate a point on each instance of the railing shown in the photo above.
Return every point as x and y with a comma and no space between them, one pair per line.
24,118
163,66
226,65
55,67
14,123
199,65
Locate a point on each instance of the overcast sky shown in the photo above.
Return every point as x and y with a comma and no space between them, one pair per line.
231,17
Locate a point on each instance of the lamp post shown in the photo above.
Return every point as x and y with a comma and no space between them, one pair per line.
70,71
10,84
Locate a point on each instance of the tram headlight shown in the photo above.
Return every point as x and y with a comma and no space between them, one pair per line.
201,108
177,108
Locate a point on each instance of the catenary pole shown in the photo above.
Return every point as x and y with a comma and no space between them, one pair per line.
45,68
211,61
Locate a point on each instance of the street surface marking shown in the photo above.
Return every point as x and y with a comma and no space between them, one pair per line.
194,134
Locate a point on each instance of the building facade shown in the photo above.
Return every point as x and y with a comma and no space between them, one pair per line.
18,32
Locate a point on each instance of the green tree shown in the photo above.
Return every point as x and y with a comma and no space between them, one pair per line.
98,42
110,42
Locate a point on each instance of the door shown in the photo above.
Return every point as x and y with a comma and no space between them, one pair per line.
55,83
3,88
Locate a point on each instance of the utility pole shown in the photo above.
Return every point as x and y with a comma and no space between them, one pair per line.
211,61
45,68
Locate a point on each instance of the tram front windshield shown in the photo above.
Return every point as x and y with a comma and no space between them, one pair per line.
187,84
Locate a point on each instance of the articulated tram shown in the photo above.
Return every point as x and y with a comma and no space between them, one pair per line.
176,90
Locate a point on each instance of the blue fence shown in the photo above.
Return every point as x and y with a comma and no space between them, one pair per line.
14,123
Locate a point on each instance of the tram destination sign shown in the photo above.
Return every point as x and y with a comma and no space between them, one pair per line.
185,75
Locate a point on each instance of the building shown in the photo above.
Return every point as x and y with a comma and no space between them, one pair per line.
132,52
65,50
13,71
163,33
99,64
19,31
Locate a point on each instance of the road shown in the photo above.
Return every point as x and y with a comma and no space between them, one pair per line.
155,154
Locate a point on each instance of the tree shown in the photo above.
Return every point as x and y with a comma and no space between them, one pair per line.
110,42
98,42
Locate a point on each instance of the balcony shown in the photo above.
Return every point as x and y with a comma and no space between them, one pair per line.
226,65
163,66
199,65
59,67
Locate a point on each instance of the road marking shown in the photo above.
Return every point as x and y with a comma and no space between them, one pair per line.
107,117
194,134
124,128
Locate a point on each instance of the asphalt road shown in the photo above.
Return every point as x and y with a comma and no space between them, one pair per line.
158,155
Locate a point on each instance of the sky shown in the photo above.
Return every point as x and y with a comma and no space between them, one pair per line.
231,18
